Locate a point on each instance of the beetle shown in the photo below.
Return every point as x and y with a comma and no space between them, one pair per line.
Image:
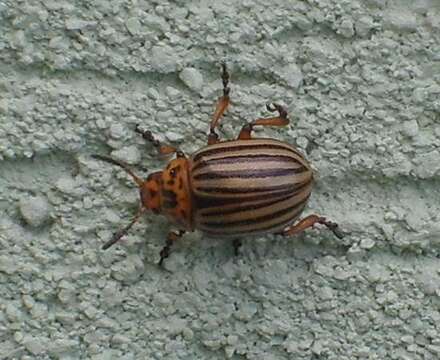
231,188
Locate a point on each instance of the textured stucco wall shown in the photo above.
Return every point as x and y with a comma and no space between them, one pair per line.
361,80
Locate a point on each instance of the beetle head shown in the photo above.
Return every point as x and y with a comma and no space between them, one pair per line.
149,189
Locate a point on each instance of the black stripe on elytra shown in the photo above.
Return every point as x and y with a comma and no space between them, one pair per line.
243,203
230,148
256,220
249,174
204,202
248,190
253,158
249,207
257,230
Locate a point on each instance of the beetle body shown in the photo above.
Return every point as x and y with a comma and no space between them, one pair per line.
234,188
231,188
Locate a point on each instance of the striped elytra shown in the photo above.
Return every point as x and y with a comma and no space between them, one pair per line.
245,187
232,188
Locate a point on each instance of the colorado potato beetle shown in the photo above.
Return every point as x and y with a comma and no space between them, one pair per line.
231,188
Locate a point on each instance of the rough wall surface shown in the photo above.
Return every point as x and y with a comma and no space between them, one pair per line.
361,80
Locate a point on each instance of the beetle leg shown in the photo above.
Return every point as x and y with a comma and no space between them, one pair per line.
309,221
280,120
221,107
171,238
163,149
236,243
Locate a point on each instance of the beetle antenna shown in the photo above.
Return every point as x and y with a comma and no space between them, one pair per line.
122,164
118,235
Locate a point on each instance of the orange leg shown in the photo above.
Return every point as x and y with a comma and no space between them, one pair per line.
171,239
221,107
309,221
280,120
163,149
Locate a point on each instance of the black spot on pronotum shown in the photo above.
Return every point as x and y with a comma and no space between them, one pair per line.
174,171
169,199
153,193
170,182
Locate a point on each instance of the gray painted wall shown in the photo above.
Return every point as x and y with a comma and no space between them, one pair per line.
361,81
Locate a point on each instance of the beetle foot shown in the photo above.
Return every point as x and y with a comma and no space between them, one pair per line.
335,229
171,238
236,243
331,226
225,79
164,253
147,135
277,107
